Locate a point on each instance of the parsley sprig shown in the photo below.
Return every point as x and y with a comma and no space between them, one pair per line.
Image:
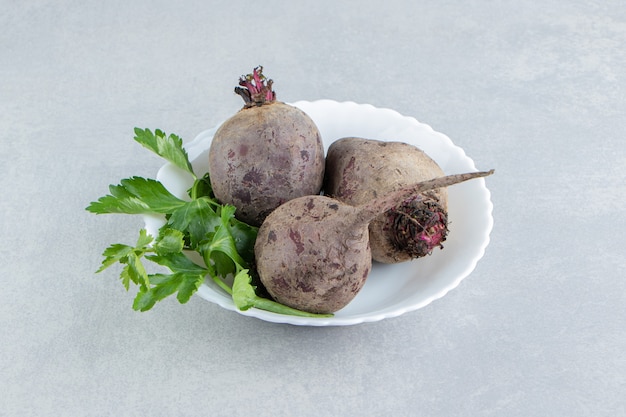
200,224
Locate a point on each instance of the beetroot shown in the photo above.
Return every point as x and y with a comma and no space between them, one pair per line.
313,254
266,154
358,170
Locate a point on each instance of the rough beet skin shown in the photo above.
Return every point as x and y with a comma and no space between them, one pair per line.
266,154
359,170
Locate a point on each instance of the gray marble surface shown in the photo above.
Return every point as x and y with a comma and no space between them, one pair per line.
536,90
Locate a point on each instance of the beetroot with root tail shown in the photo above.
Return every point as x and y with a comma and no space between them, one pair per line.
266,154
358,170
313,253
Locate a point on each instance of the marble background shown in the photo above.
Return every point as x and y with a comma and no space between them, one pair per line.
536,90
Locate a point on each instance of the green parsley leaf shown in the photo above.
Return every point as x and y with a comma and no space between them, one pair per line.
185,279
244,296
202,188
137,195
222,240
168,147
165,285
178,263
119,252
144,239
134,271
114,254
245,237
219,248
169,241
197,218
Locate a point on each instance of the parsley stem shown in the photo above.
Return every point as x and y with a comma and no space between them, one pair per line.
194,189
222,284
274,307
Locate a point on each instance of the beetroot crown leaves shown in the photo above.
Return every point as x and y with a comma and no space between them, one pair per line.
256,89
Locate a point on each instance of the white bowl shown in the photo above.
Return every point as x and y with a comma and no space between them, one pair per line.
390,290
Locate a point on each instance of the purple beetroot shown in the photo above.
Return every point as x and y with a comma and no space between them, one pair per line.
266,154
358,170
